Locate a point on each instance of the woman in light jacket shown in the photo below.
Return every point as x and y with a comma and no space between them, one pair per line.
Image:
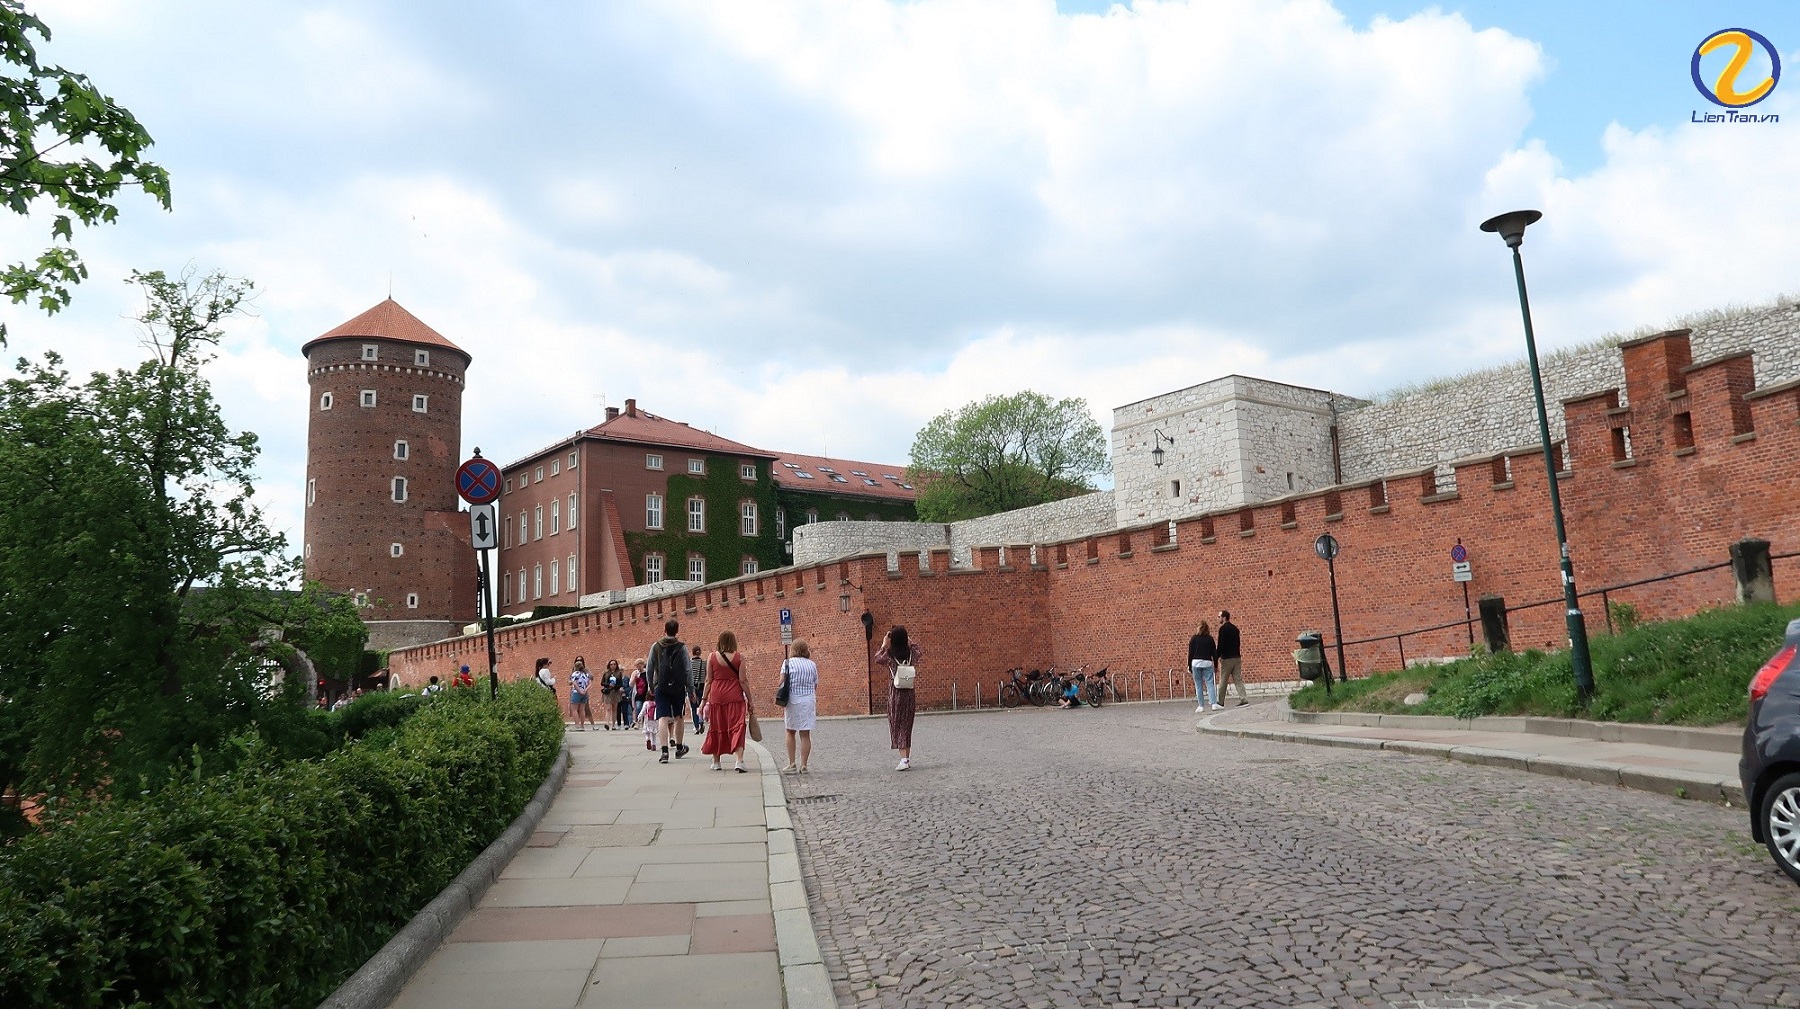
896,651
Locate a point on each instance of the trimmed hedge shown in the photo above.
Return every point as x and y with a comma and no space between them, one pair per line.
272,883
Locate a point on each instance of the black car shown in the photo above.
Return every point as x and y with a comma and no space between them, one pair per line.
1771,766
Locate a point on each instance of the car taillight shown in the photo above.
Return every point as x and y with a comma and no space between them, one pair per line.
1765,677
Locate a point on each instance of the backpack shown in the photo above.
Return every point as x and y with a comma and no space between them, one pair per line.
668,668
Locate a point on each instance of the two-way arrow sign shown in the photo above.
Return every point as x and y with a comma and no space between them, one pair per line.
484,528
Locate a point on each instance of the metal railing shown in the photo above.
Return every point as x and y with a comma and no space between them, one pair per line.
1604,592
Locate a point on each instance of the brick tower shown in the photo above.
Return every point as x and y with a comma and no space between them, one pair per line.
383,439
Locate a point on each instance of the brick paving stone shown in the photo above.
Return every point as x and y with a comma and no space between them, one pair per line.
1115,858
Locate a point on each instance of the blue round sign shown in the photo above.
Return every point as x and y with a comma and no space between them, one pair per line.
1459,553
478,481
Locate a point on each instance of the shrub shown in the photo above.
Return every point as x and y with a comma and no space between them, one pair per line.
267,885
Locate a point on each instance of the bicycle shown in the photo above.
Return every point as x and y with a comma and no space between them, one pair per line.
1099,686
1022,688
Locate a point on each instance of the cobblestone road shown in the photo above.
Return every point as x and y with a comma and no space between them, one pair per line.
1044,858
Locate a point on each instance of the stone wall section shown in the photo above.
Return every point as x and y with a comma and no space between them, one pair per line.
1070,518
1493,409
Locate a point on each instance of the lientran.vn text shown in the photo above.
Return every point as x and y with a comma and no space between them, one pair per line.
1734,117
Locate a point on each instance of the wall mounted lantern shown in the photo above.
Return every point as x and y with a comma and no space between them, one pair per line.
1156,452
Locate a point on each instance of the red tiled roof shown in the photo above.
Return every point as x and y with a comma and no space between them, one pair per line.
388,321
857,479
648,429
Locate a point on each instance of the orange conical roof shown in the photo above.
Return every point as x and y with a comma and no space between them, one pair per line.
388,321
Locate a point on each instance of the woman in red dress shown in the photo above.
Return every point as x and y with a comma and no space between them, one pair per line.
727,703
895,651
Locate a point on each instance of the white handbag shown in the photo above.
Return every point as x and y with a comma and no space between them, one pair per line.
904,674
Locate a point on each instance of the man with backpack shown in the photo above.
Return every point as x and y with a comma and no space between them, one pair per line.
667,668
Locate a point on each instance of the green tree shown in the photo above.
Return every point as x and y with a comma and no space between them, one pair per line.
65,145
141,605
1005,452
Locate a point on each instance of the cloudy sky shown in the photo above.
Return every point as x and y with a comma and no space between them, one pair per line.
811,224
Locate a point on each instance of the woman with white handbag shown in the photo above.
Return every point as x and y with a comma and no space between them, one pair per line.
899,656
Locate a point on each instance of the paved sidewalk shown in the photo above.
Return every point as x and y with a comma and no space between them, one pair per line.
646,884
1668,770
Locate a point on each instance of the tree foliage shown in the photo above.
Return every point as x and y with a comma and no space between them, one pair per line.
63,145
141,604
1005,452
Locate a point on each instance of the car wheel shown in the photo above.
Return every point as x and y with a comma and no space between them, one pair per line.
1781,823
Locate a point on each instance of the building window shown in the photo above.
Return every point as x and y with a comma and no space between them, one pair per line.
505,590
371,352
571,511
555,578
574,586
653,461
401,450
324,401
696,514
555,517
571,460
653,511
506,537
537,523
368,397
539,476
521,585
399,488
420,403
509,485
781,523
521,527
308,551
747,470
749,565
555,466
312,491
747,518
812,515
396,550
412,600
843,516
652,568
537,581
524,480
697,467
696,568
422,358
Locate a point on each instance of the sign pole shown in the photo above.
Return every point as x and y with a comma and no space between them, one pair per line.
487,605
1337,621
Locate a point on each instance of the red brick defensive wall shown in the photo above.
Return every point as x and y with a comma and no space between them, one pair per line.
1698,460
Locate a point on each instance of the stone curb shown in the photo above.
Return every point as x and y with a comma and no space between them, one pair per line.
805,983
377,983
1728,740
1671,782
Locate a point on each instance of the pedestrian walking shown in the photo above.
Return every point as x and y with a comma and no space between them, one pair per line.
612,688
802,708
579,682
697,688
1203,655
640,694
668,665
900,656
728,704
1231,658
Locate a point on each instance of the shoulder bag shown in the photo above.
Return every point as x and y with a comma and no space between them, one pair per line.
783,692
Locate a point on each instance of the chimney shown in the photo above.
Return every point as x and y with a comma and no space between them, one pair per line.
631,408
612,412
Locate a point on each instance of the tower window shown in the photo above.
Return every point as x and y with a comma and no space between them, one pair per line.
412,600
368,397
396,550
371,352
312,491
400,450
1174,488
399,488
419,403
324,401
422,358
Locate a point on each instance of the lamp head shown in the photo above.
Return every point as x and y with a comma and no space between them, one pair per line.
1156,456
1511,225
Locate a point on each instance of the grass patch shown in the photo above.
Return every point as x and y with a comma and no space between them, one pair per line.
1681,672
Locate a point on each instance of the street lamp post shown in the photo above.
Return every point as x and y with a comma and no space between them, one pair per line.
1511,229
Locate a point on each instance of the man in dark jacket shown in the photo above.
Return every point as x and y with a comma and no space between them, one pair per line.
667,671
1231,658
